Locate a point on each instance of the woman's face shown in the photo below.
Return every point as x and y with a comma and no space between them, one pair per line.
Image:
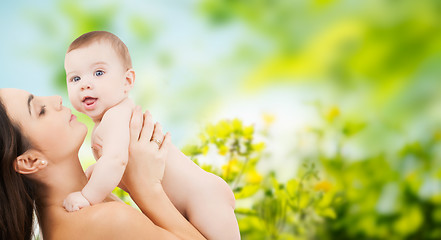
50,127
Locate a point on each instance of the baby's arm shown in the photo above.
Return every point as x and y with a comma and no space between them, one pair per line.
107,172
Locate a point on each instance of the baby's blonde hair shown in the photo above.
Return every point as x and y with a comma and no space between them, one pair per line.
88,38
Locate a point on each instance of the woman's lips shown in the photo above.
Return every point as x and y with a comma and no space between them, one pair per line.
89,103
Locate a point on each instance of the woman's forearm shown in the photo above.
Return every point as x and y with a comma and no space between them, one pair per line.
155,204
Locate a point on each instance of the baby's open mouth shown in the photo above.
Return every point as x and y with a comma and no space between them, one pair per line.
89,103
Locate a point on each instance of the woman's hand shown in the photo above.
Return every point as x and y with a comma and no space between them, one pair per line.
144,172
147,151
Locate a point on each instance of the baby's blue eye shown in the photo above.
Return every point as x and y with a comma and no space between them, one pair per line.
99,73
76,79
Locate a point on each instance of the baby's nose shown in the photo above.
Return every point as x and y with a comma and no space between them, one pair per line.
86,85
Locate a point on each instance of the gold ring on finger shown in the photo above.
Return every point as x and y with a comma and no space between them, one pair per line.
157,142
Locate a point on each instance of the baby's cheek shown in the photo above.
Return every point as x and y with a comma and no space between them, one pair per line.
75,102
76,105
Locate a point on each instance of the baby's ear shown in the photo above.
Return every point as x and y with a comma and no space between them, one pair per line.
30,162
130,78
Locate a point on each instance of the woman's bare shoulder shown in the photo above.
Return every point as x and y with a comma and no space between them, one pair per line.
109,220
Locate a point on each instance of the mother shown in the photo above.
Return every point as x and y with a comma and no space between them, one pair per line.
40,140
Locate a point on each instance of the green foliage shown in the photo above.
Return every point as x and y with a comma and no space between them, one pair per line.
233,141
378,40
387,195
388,51
267,208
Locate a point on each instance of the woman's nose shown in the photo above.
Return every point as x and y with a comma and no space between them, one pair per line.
58,102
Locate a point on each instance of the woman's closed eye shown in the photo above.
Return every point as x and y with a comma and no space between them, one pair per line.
43,110
99,73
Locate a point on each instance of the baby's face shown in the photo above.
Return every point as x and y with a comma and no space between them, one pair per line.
96,79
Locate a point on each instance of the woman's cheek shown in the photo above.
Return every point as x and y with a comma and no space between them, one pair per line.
52,140
52,134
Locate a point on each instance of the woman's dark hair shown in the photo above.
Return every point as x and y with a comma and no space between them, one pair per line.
17,193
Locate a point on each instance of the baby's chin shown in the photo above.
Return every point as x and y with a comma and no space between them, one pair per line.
95,115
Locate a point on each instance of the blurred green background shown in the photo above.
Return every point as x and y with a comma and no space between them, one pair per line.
322,115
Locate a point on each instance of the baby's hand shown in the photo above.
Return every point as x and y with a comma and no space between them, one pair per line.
75,201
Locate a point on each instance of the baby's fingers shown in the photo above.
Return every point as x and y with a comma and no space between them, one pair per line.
68,206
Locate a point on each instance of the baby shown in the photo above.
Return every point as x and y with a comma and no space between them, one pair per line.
99,77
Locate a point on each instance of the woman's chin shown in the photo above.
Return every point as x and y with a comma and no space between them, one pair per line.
83,132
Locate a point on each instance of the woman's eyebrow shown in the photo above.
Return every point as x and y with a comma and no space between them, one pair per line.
29,103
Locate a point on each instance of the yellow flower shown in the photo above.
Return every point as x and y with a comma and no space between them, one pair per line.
231,167
258,146
248,132
268,118
236,124
324,186
223,129
223,150
205,150
253,177
332,113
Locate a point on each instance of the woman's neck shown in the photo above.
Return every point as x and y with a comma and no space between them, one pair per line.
60,179
57,180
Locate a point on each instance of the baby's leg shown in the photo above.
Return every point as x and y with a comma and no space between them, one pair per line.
211,209
204,199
